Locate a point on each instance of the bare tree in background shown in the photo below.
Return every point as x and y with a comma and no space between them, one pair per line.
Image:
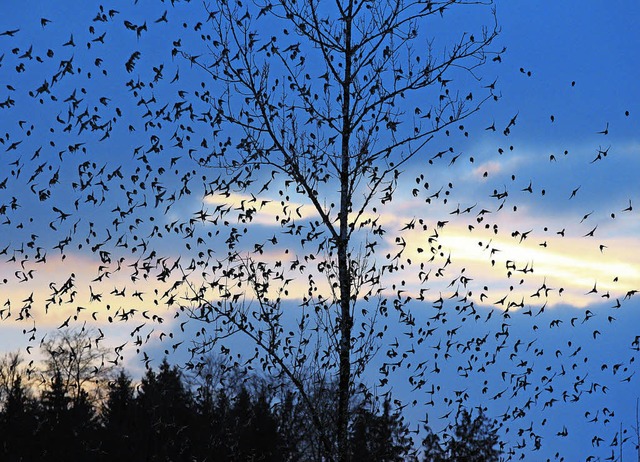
79,360
13,374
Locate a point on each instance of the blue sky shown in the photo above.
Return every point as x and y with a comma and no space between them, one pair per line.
582,58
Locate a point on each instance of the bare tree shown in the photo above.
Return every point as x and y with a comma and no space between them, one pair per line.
322,108
13,373
80,362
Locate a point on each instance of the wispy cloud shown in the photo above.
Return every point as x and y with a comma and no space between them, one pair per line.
522,261
264,210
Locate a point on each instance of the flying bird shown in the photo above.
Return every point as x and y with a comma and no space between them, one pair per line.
605,131
10,33
574,192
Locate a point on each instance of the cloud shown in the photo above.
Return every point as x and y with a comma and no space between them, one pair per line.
266,211
520,262
74,290
498,165
526,253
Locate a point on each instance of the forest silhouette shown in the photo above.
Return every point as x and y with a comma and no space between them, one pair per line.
74,408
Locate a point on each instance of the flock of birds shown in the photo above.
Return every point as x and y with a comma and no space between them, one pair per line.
113,234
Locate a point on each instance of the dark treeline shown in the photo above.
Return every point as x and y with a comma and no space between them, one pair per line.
219,414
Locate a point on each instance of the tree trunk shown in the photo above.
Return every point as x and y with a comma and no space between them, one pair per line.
344,274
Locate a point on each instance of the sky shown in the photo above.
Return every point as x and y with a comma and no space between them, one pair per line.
563,245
